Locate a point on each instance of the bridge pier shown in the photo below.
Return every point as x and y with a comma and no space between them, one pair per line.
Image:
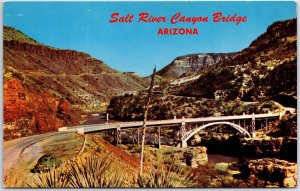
138,137
183,144
182,133
253,123
157,139
159,145
118,135
182,127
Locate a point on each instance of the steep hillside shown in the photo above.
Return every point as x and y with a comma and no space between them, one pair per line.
130,107
191,63
37,78
253,74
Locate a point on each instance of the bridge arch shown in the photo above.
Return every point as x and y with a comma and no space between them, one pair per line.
193,132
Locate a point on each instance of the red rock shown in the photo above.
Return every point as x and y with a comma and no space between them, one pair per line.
42,110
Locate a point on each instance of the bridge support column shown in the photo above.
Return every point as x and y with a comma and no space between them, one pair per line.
118,135
183,144
134,138
158,138
138,137
182,128
253,123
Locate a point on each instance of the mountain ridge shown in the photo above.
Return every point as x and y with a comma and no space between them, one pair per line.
11,33
191,63
54,87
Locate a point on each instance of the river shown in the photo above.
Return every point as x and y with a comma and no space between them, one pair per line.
217,158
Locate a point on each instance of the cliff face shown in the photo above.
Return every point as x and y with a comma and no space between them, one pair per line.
271,170
43,59
29,110
191,64
46,88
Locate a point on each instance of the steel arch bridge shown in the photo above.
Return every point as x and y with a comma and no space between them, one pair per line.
189,134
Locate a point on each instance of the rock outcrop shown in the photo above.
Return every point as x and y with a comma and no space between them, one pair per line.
285,148
30,110
189,156
62,61
196,156
272,170
191,64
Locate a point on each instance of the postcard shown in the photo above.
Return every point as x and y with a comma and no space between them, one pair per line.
154,94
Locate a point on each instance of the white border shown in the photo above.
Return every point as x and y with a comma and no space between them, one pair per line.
1,82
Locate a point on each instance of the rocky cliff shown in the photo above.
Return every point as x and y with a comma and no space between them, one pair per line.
48,60
191,63
272,171
30,110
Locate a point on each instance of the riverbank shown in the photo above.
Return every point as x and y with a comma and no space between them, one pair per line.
267,147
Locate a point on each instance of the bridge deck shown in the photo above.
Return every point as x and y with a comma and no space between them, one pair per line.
108,126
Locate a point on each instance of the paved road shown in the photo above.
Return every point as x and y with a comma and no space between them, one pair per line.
20,155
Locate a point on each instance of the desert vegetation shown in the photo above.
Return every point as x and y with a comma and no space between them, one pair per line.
130,107
90,171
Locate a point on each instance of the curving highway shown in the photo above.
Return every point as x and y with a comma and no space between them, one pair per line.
20,155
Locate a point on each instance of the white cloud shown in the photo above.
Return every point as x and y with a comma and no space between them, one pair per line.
20,14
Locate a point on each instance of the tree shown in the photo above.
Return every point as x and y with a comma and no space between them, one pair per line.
144,122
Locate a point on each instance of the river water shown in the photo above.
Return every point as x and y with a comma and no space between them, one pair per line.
217,158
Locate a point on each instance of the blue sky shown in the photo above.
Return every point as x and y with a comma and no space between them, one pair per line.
84,26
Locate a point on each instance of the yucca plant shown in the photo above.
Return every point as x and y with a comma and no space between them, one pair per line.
88,172
91,172
52,178
166,177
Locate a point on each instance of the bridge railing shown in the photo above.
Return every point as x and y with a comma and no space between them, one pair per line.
106,126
